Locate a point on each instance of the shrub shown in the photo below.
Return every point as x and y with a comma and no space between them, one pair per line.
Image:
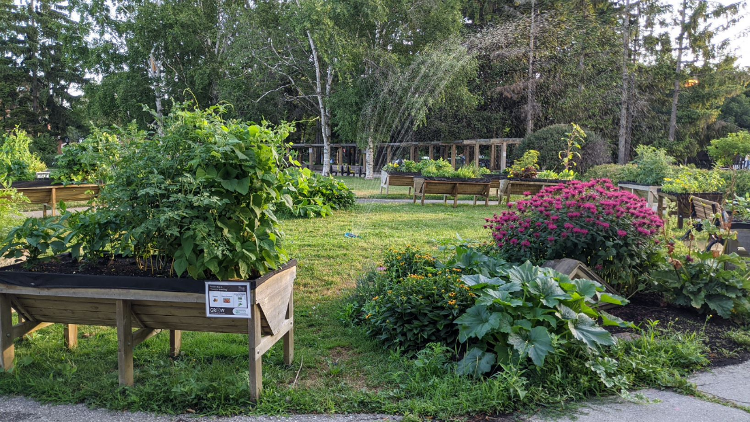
16,162
741,180
725,150
525,167
91,160
610,230
701,281
693,180
409,302
436,168
313,195
550,140
615,172
10,214
650,167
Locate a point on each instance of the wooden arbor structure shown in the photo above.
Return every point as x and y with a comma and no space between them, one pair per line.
351,154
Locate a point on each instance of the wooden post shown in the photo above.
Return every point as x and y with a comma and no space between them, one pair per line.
412,154
389,154
476,155
503,155
340,156
453,156
431,152
493,155
256,358
289,336
124,342
70,336
54,201
175,342
311,156
7,350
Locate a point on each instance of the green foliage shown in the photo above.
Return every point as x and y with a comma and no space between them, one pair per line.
10,215
410,302
552,144
436,168
724,150
693,180
525,167
651,166
202,195
615,172
37,239
704,282
44,146
91,160
610,230
16,161
741,180
314,195
530,313
573,141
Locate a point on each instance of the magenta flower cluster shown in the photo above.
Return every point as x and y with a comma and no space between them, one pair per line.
594,222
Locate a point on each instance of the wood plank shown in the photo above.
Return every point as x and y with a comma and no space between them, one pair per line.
7,350
268,341
117,294
124,343
18,306
70,336
175,343
289,336
28,327
273,298
255,360
144,334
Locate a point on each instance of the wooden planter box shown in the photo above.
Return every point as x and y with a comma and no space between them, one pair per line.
148,305
475,187
684,209
648,192
396,179
521,186
51,195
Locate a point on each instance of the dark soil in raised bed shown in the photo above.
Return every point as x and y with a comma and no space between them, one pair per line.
65,264
649,307
39,183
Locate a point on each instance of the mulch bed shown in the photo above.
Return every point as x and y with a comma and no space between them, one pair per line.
649,307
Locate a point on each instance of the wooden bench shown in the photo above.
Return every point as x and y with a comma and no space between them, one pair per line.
703,209
424,187
50,196
395,179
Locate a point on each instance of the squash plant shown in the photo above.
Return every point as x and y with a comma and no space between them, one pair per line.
529,313
200,197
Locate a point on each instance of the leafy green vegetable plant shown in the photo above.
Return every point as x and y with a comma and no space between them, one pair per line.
92,160
37,239
529,313
693,180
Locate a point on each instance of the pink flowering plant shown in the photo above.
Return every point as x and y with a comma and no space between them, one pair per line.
612,231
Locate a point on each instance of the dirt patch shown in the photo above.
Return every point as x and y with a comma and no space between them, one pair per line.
649,307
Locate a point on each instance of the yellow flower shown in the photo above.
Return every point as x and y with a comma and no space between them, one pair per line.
376,298
368,316
452,294
452,302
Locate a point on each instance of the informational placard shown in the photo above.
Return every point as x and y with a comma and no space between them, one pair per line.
228,299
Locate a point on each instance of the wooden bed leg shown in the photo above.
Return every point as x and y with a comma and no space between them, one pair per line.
70,336
256,358
125,343
289,336
7,350
422,202
175,342
455,201
475,200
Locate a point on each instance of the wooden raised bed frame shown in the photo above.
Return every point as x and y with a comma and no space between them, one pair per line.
396,179
519,187
424,187
51,195
149,312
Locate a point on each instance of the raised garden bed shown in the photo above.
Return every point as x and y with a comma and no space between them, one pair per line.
453,187
397,179
522,186
43,192
147,304
648,192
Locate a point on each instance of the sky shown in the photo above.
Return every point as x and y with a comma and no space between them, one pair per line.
738,36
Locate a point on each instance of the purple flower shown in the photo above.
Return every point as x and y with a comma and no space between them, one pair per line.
622,233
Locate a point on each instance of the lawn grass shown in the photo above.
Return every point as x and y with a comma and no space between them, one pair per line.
337,368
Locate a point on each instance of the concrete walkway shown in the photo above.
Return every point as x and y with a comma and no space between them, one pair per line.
727,390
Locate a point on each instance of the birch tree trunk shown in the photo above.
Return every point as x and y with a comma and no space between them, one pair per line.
320,94
369,159
678,70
